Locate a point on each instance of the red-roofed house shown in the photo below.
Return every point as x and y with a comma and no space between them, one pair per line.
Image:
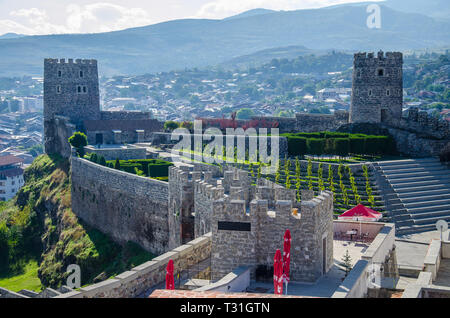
11,176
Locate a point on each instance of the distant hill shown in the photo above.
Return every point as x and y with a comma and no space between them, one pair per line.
250,13
11,36
261,57
439,9
199,42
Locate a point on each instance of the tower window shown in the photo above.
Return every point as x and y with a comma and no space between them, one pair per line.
59,73
370,92
388,92
380,72
79,89
84,89
58,89
81,74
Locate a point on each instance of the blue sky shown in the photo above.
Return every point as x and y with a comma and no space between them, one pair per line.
84,16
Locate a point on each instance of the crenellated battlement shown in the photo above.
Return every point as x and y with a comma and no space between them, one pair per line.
70,61
422,123
370,57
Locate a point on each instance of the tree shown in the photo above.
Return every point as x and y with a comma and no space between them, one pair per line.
187,124
170,125
244,113
347,263
78,140
102,161
117,164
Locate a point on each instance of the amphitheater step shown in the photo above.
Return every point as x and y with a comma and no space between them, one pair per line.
429,215
437,191
431,221
422,203
421,193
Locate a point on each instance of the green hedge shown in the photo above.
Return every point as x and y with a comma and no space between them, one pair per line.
149,167
341,144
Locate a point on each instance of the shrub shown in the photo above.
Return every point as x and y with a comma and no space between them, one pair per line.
93,158
78,140
341,146
170,125
117,164
315,146
444,156
297,146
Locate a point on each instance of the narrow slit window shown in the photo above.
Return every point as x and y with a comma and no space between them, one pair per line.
59,73
79,89
81,74
58,89
84,89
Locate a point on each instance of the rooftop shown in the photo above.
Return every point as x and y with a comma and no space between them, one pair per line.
9,160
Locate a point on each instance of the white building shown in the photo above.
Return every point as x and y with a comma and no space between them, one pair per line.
11,176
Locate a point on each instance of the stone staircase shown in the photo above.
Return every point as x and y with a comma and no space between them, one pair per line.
417,193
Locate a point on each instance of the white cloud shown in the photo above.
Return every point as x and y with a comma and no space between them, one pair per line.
102,17
96,17
219,9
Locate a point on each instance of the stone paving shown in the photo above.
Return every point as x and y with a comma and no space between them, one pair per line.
326,285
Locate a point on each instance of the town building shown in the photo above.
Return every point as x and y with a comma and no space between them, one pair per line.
11,176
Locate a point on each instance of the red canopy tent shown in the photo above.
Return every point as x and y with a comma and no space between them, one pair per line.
170,282
286,257
278,273
361,213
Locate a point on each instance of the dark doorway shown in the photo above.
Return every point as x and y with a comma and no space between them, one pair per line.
99,139
383,115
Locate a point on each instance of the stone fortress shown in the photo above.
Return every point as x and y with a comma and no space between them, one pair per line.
377,90
72,103
247,221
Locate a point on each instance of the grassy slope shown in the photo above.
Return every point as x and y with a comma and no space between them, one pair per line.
53,237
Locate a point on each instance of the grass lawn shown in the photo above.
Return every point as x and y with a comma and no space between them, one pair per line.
28,280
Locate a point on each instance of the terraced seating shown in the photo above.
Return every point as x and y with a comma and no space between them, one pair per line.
420,193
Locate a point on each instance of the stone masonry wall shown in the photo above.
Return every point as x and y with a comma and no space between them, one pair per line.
266,212
139,280
57,132
125,206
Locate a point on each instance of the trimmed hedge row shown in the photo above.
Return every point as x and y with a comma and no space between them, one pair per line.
340,144
154,168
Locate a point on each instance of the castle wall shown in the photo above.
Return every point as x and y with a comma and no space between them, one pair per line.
139,280
320,122
125,206
121,153
57,132
125,115
420,135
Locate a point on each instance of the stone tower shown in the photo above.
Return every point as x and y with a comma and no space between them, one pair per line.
377,91
71,94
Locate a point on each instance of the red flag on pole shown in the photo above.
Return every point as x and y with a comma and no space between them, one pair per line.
278,274
286,256
170,282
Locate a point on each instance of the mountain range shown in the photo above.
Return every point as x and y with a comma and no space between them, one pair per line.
201,42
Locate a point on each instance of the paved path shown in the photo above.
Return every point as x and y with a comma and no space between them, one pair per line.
443,276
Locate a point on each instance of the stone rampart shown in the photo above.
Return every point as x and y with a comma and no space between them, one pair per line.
123,205
139,280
